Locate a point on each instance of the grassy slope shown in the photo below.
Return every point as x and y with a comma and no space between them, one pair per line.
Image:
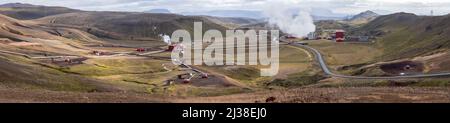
33,12
24,73
334,95
119,25
338,54
133,75
232,22
102,67
404,35
293,61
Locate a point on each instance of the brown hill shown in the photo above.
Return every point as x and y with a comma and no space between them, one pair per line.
129,26
28,11
363,18
233,22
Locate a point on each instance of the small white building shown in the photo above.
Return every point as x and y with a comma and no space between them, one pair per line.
312,36
166,39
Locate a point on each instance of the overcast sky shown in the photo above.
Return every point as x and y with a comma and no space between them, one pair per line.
338,6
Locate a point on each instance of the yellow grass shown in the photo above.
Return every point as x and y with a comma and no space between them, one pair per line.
346,53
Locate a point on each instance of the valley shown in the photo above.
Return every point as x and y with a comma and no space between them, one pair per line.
69,55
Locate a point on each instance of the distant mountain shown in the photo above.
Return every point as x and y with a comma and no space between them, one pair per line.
331,24
382,12
233,22
15,5
318,14
320,18
158,11
229,13
27,11
344,22
367,15
326,14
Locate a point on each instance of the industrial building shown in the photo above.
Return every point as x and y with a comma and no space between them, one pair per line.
357,38
312,36
339,36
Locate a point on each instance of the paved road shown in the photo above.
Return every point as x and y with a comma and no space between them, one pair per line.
327,71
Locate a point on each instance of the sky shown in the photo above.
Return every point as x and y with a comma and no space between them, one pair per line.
421,7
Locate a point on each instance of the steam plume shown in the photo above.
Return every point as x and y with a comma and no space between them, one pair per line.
290,19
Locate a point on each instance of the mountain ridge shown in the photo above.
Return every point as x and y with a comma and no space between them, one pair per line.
363,17
28,11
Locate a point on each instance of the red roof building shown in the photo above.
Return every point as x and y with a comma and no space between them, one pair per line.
340,35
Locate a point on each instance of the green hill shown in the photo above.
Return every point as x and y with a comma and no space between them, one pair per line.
405,35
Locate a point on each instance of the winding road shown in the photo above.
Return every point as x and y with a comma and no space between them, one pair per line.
327,71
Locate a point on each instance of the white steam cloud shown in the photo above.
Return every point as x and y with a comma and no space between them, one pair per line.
165,38
290,19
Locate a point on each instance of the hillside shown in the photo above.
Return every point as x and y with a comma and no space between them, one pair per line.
21,40
56,53
410,44
158,11
228,13
129,26
331,24
28,11
405,35
232,22
114,25
17,5
363,17
348,24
